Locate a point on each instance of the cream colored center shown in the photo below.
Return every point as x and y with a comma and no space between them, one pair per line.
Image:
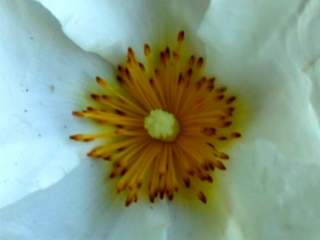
162,125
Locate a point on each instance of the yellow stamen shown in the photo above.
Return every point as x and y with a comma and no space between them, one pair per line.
168,123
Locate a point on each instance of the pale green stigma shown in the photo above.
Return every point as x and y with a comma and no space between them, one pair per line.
162,125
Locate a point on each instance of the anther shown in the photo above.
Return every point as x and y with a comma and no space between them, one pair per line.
147,49
180,36
236,135
209,131
180,78
200,62
101,82
120,79
77,114
230,100
202,197
141,66
192,60
167,52
130,53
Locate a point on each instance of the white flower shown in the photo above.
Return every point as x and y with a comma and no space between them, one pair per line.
267,51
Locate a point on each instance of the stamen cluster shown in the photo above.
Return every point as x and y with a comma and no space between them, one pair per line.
174,83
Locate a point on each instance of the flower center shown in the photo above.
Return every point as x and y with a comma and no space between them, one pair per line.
163,124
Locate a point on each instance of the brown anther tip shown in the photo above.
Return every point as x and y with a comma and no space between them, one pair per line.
205,166
220,165
224,156
200,62
170,197
236,135
212,79
141,66
120,79
100,81
211,145
202,197
189,72
211,166
105,97
151,81
112,175
120,68
107,158
230,100
91,154
123,172
90,109
127,72
119,112
130,52
167,52
222,138
227,124
231,109
210,87
163,57
181,36
220,97
147,49
192,59
209,179
128,202
180,78
94,96
187,182
151,198
77,114
162,194
121,149
75,137
209,131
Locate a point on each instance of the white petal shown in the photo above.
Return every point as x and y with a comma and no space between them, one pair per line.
43,76
272,196
109,27
240,28
300,42
261,55
80,207
194,220
314,74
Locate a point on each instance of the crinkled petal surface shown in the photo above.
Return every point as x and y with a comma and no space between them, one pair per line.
109,27
261,49
78,208
41,75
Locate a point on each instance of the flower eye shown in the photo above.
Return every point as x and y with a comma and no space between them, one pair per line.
168,124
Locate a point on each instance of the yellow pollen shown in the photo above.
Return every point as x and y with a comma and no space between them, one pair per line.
162,124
